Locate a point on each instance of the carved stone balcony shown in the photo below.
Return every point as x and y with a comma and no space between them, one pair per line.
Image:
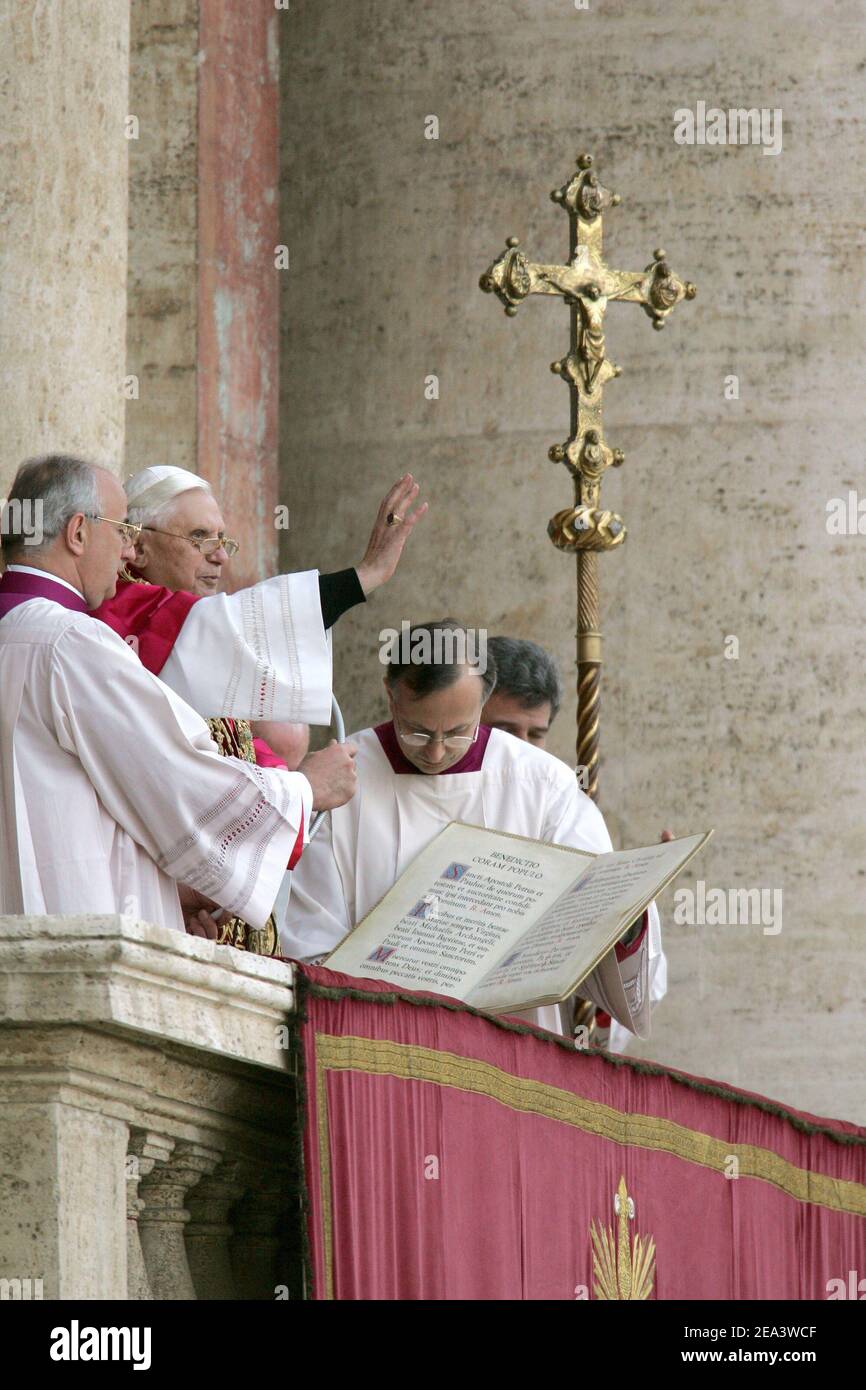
147,1115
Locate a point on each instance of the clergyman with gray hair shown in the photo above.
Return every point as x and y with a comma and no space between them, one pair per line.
93,820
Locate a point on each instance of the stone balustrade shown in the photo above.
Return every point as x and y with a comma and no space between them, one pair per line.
147,1115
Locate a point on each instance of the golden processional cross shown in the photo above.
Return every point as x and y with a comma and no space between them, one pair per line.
587,285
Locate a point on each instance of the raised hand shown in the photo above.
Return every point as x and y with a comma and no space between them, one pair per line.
387,539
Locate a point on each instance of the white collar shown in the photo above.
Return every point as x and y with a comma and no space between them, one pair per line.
45,574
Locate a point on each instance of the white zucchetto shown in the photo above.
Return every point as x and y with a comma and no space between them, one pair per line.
151,488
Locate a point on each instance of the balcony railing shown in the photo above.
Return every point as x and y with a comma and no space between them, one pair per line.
147,1115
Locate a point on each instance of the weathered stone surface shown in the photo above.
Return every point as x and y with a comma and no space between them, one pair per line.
239,282
62,1199
163,256
64,72
203,233
134,1067
113,971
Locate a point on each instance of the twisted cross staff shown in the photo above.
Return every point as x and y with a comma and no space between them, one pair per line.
587,285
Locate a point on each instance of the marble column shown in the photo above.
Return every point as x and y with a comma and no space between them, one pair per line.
64,73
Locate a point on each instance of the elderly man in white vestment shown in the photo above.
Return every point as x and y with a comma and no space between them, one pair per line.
432,763
261,653
257,648
91,820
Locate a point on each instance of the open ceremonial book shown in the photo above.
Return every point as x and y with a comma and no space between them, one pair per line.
506,923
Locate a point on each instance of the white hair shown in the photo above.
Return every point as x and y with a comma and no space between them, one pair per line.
153,493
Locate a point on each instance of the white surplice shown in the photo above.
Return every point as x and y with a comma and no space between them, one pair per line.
364,846
111,787
261,653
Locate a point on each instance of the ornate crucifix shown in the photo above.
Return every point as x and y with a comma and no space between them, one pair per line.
587,285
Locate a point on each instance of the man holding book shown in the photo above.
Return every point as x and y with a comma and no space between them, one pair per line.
433,763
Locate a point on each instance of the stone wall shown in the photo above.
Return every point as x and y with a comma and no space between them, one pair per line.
724,499
64,71
138,286
163,259
203,286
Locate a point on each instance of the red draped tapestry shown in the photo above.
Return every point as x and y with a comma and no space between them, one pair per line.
451,1156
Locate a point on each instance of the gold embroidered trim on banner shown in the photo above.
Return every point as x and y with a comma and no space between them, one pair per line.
411,1062
324,1138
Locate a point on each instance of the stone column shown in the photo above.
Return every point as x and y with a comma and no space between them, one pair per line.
209,1231
62,1201
144,1151
63,225
163,256
162,1220
203,281
238,281
257,1239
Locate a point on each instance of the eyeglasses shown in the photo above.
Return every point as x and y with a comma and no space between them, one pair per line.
206,546
454,743
128,532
